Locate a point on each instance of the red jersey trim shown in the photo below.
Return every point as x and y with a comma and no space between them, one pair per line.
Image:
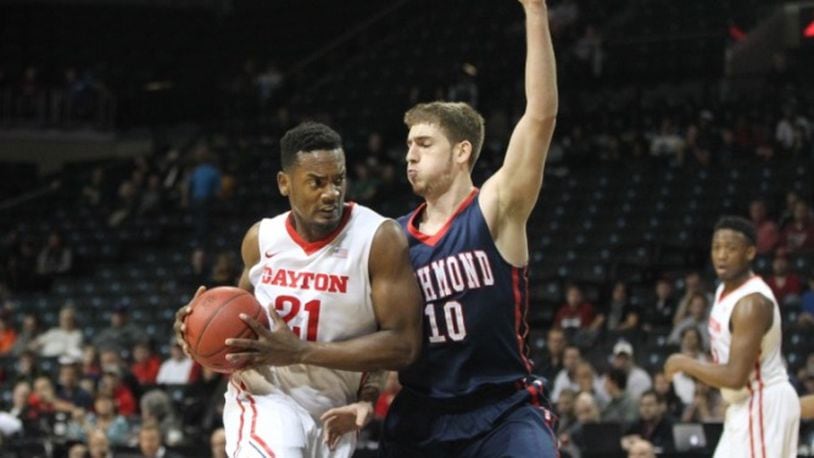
316,245
432,240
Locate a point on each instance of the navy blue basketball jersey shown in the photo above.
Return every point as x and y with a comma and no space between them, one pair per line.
474,307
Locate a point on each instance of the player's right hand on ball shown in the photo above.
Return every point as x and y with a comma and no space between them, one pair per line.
180,316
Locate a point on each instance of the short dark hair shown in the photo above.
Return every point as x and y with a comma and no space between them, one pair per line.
651,392
618,377
738,224
306,137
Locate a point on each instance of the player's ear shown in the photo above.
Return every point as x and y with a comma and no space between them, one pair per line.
751,252
283,183
462,152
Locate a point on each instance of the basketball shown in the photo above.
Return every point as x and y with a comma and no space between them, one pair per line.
215,317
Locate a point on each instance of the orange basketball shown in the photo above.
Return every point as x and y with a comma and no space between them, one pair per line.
215,317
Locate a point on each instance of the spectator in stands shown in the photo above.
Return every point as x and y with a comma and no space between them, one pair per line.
146,364
111,361
588,382
798,235
768,233
150,444
787,216
55,258
698,318
29,333
576,313
551,364
43,404
225,271
11,421
659,315
665,388
653,425
98,445
806,317
64,339
691,345
623,317
785,284
693,283
199,270
640,448
120,335
26,367
177,369
587,412
465,89
94,193
125,204
111,385
68,388
566,378
8,336
152,199
104,418
365,185
90,367
203,186
706,406
638,380
621,408
667,144
217,443
157,408
566,415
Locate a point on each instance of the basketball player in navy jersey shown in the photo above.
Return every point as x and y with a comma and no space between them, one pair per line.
469,394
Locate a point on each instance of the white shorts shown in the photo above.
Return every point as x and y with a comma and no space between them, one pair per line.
274,425
764,426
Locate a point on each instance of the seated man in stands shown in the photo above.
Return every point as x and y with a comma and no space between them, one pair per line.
653,425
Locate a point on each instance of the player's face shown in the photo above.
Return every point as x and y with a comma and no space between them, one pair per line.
731,254
315,186
430,165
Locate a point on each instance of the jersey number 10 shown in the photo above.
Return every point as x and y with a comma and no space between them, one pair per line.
310,319
454,317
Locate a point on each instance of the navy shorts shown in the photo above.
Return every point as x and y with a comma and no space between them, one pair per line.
504,423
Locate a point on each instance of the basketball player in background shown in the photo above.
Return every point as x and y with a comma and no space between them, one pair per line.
470,393
763,416
341,296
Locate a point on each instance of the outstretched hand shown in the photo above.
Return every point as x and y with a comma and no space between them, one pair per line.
342,420
277,346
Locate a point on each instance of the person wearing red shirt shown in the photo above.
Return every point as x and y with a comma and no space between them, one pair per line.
798,235
768,234
576,313
111,385
784,284
145,364
7,336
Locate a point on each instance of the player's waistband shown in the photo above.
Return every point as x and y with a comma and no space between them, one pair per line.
486,394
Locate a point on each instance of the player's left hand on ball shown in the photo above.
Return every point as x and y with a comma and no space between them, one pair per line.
345,419
277,346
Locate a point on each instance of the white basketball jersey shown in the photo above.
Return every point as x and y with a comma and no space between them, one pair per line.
769,368
322,290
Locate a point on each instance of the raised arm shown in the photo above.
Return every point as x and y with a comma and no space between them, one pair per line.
516,185
396,304
750,320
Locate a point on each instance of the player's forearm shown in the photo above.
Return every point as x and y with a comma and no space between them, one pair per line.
388,350
541,69
715,375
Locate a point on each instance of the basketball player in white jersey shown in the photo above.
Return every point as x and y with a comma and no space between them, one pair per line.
342,298
763,416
